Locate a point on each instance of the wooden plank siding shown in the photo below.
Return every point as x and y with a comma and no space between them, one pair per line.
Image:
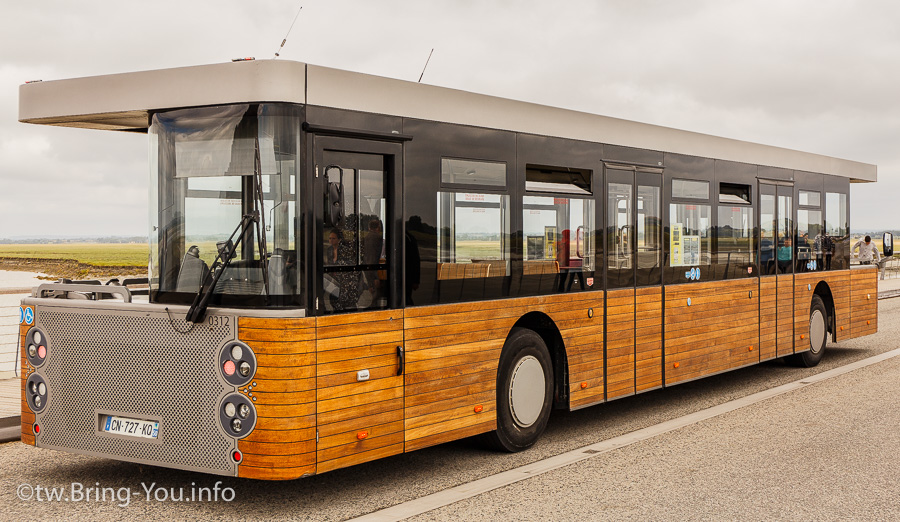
718,331
768,318
863,302
784,308
283,443
648,307
28,417
805,284
452,355
358,421
620,353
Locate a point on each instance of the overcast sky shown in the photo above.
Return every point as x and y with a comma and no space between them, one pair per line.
820,76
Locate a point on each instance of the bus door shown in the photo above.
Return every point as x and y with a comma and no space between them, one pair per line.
633,259
776,261
359,330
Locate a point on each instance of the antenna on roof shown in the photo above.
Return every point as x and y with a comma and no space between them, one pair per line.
288,33
426,65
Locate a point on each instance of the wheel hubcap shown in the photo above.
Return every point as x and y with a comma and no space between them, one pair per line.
816,331
526,391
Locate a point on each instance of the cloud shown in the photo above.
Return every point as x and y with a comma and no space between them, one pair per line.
818,76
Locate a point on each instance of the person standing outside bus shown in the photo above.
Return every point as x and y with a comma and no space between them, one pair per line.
866,251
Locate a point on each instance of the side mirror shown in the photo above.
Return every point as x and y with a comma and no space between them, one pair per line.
334,196
888,244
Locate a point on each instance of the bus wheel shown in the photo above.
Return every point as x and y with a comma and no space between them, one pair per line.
818,336
524,391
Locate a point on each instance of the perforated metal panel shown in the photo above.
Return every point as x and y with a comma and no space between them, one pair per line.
135,364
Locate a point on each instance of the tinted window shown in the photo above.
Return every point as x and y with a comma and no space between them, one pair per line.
690,189
808,198
690,239
473,230
734,193
467,172
734,251
557,179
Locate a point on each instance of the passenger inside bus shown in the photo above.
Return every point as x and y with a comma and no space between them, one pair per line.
785,254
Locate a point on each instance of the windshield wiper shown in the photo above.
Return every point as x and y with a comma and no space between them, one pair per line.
197,311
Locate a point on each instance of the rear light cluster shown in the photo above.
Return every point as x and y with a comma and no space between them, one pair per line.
36,390
236,412
238,416
238,363
36,393
36,347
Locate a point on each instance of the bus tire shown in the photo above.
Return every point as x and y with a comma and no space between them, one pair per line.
818,336
524,392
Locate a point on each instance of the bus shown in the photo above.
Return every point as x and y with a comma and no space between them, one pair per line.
345,267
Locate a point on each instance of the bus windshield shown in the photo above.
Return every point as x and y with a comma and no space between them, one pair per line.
210,167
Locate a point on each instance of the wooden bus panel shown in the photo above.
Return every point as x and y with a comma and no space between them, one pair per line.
26,370
452,352
839,284
805,285
863,301
784,308
620,355
648,308
717,331
282,446
359,418
768,318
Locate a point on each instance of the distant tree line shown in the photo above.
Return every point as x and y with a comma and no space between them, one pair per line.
59,241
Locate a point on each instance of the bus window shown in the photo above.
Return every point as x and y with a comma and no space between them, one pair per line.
211,167
690,237
810,241
620,229
784,250
558,239
837,249
734,239
473,237
355,251
649,228
767,236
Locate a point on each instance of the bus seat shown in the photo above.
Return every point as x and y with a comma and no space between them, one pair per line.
463,270
540,267
193,271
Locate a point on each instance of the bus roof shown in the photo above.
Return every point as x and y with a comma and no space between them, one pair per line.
124,101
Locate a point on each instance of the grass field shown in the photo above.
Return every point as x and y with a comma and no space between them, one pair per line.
97,254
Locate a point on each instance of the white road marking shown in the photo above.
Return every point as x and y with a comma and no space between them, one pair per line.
477,487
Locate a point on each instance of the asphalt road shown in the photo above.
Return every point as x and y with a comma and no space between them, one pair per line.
824,452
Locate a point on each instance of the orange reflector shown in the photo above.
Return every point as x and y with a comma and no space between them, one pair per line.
479,408
362,435
751,348
583,385
868,322
801,336
675,365
842,328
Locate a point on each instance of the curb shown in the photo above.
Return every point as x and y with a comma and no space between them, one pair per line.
10,429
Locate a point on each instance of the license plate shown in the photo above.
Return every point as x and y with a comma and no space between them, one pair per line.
131,427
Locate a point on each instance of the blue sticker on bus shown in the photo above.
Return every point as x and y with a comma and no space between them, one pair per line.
26,314
108,422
